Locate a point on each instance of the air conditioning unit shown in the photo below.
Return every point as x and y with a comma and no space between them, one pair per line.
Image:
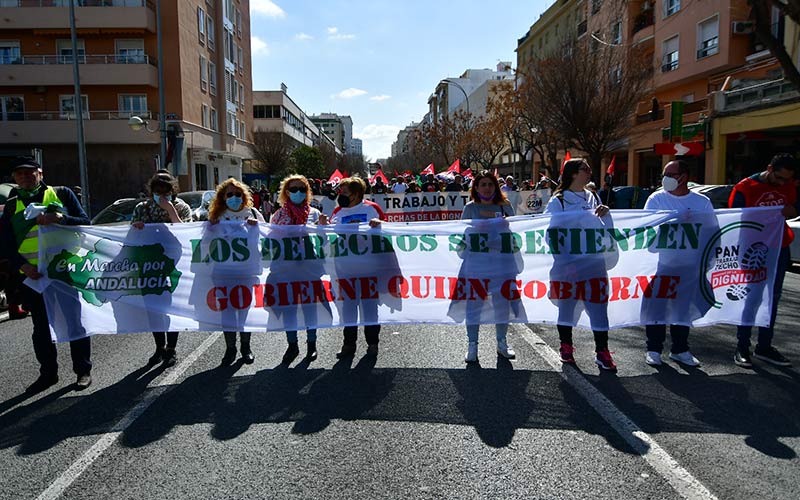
742,27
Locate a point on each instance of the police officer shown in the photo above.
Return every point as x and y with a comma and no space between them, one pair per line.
20,240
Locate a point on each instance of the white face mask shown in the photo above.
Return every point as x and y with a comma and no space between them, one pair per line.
669,184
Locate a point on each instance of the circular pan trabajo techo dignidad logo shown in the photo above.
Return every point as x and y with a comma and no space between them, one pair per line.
735,268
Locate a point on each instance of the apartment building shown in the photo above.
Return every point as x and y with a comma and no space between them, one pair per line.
275,111
338,127
456,93
207,82
704,57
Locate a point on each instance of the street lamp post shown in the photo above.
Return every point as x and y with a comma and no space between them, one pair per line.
77,104
162,119
466,97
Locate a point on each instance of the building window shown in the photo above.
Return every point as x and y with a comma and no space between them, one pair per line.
213,120
210,32
616,33
204,120
201,25
132,105
669,54
203,74
239,23
212,78
240,60
12,108
230,47
708,37
230,123
671,7
66,107
64,51
9,52
130,51
230,86
596,4
241,97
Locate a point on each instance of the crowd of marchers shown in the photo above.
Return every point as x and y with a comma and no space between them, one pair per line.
35,203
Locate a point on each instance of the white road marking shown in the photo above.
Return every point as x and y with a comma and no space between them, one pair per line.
667,467
160,386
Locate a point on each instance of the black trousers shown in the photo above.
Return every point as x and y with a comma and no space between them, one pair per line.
44,347
370,334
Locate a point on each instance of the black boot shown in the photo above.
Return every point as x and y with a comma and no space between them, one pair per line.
230,349
157,357
247,354
291,352
311,352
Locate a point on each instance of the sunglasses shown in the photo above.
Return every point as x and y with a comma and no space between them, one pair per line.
296,189
231,194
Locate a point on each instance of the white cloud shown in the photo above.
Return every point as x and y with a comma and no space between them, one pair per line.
377,139
267,8
349,93
258,47
303,36
333,34
379,98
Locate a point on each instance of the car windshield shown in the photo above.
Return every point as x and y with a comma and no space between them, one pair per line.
119,211
193,198
5,190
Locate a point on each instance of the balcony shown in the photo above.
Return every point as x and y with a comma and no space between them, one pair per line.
113,69
43,15
643,27
53,127
768,93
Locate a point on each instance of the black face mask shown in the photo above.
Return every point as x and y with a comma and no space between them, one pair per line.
343,200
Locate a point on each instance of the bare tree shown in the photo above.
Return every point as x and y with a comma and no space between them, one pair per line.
271,150
761,14
329,157
588,93
447,139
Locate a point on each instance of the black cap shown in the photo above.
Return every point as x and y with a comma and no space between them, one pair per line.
25,162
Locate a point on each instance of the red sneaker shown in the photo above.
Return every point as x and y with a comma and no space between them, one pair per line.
567,351
15,311
605,361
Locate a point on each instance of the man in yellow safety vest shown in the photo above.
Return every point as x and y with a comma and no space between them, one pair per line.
20,241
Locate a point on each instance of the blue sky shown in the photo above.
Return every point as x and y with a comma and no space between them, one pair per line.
379,60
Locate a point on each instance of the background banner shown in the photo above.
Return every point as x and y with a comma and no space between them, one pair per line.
631,267
415,207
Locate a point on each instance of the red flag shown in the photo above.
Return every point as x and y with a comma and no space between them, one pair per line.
467,174
455,167
610,169
396,173
336,177
407,173
428,170
567,158
379,175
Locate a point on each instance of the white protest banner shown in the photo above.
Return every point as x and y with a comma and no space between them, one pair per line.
631,267
445,205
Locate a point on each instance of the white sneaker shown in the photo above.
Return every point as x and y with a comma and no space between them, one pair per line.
653,358
472,353
685,358
505,350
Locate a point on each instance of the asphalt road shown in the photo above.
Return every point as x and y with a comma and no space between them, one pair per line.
414,423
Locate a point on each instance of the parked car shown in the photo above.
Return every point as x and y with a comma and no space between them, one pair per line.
717,193
5,192
121,211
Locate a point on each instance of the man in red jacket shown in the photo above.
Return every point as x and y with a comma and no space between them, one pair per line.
773,187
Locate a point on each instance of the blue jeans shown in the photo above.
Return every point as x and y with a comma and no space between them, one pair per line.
311,335
765,334
501,329
656,334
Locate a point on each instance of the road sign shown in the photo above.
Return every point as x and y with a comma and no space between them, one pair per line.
679,148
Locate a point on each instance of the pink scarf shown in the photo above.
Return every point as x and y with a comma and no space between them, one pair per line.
298,213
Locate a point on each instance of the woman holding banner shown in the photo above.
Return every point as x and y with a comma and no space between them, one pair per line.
571,195
162,206
233,202
294,197
487,202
